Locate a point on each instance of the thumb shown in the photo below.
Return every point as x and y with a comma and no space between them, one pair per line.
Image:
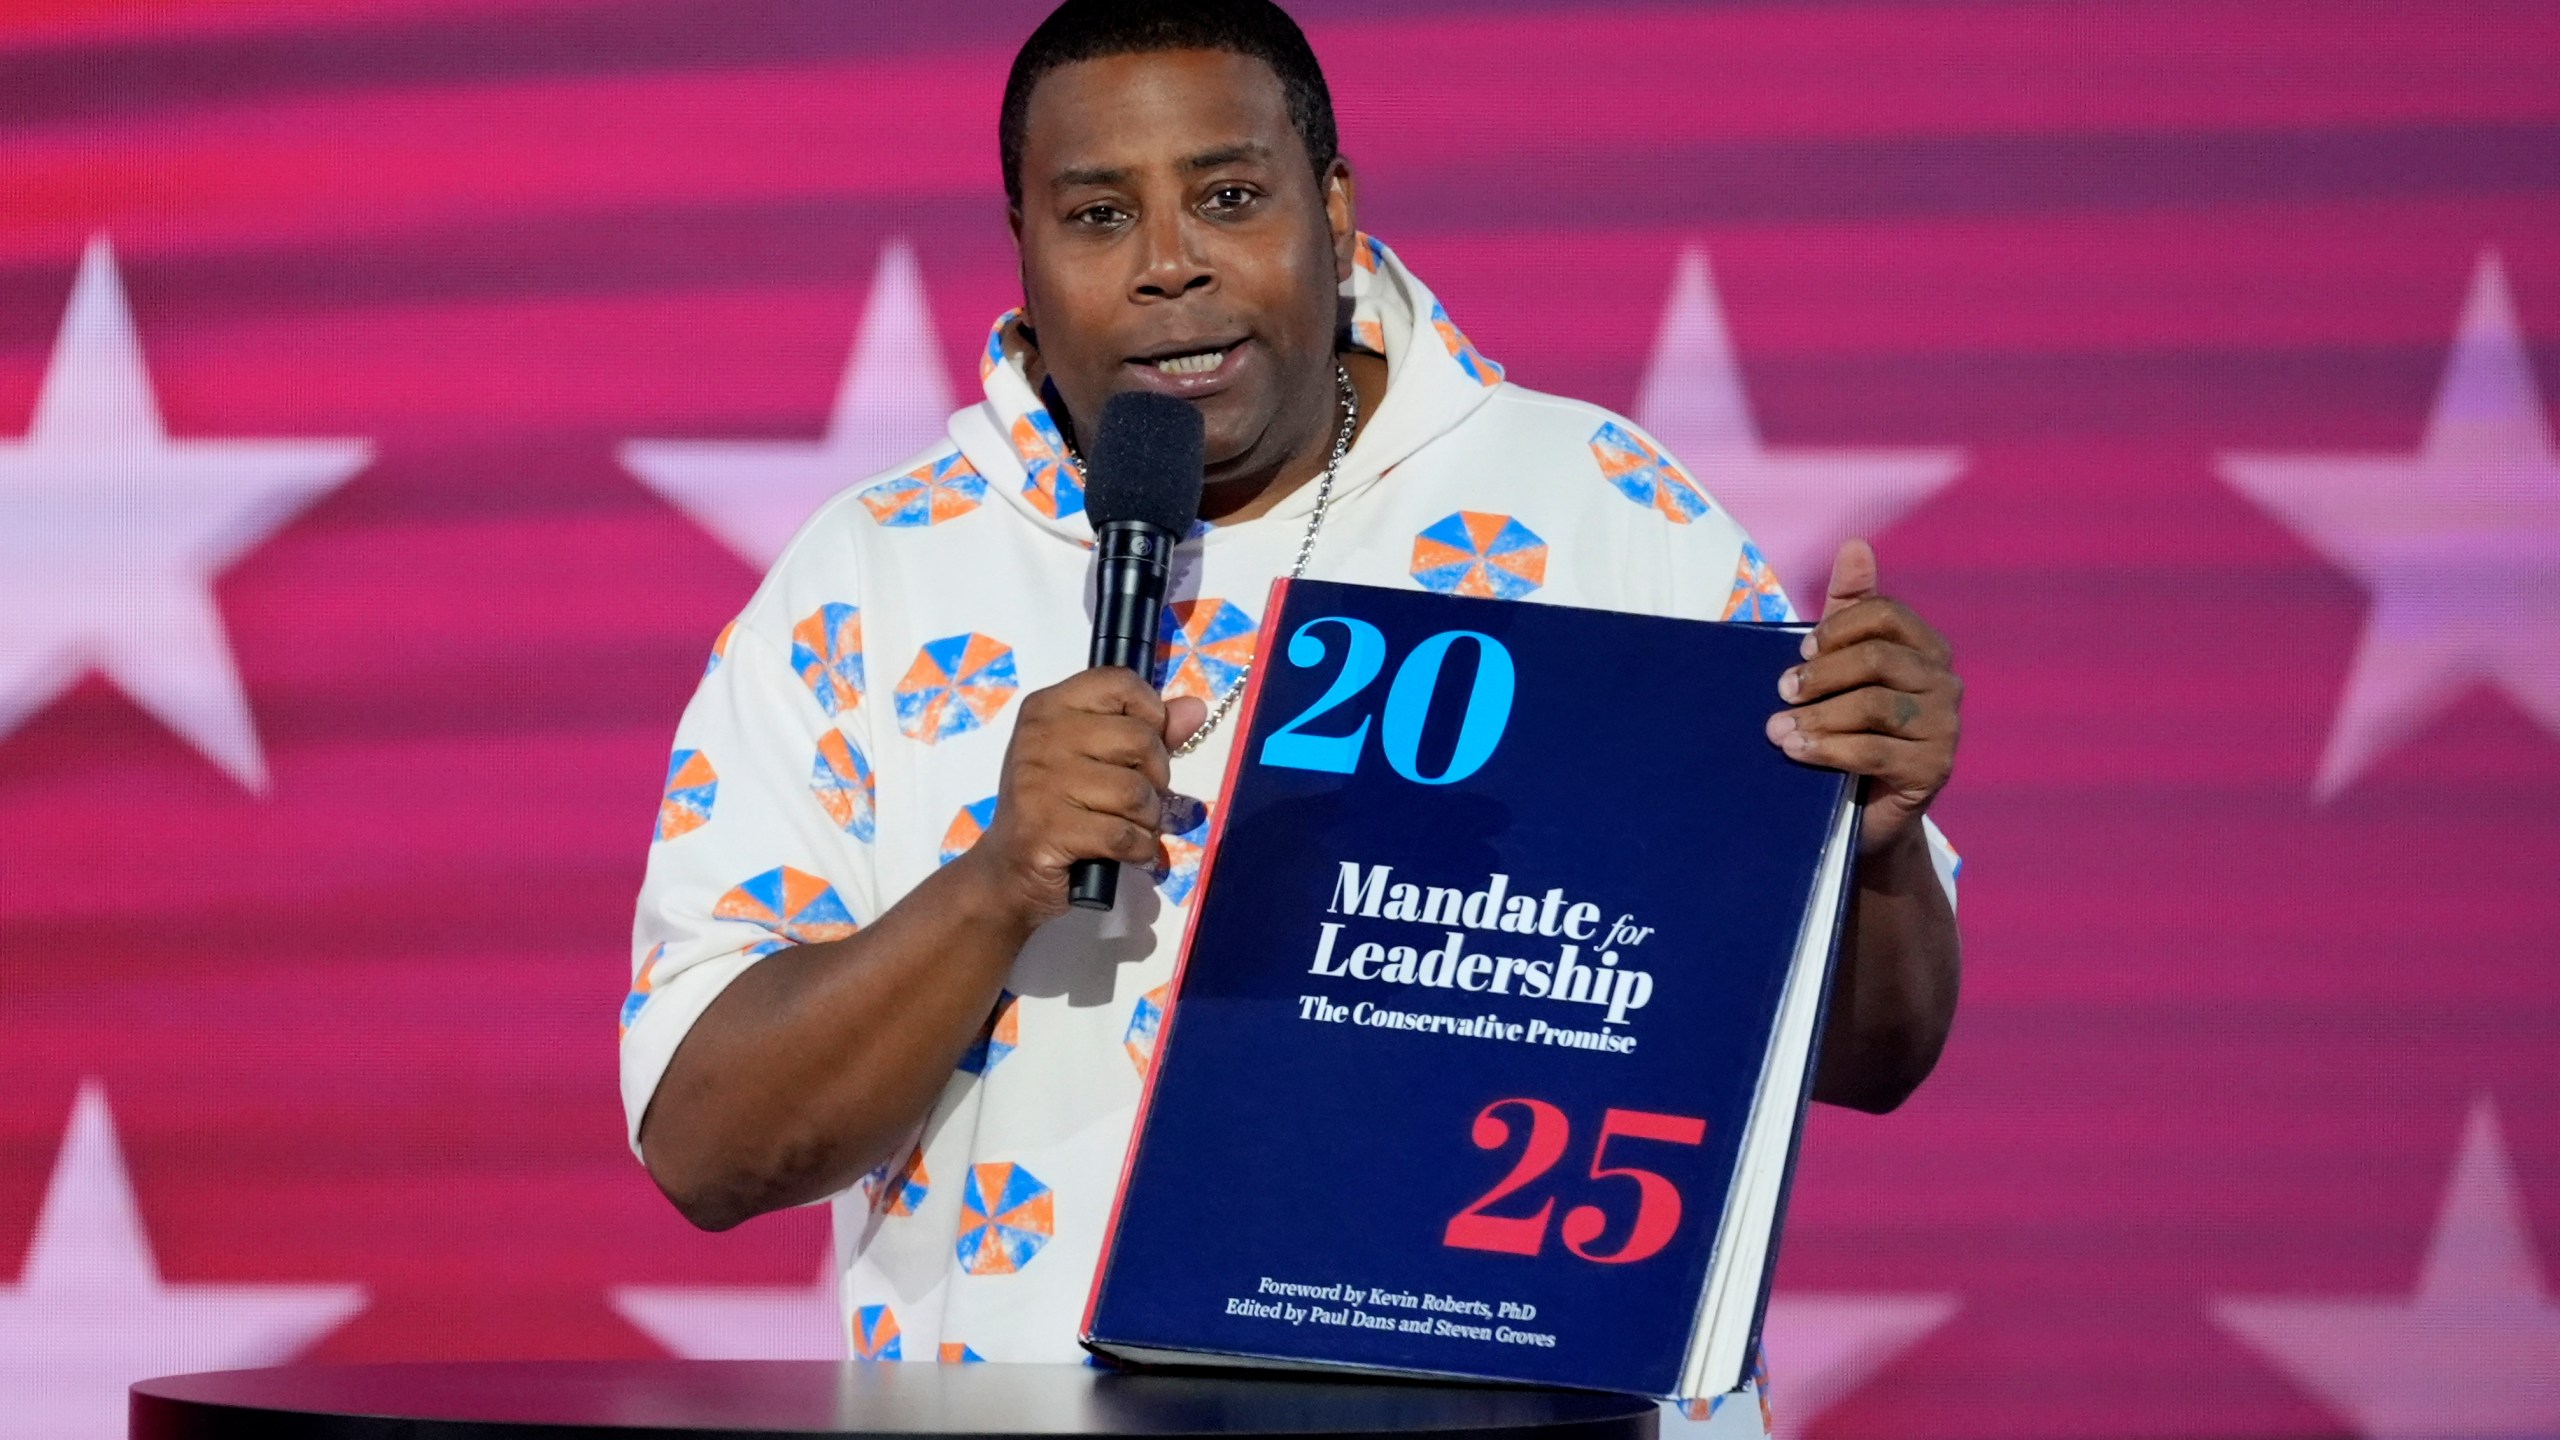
1853,577
1182,715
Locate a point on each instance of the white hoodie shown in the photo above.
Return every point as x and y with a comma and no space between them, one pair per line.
847,738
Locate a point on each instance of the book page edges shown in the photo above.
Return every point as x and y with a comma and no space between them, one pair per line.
1720,1340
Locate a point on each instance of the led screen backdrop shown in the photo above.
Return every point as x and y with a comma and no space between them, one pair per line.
397,397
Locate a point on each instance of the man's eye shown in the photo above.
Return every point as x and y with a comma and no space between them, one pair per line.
1230,197
1097,215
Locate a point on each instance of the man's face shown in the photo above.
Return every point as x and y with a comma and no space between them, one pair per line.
1175,238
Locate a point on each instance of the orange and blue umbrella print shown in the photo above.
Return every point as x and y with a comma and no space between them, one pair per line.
1146,1022
996,1041
1006,1215
966,827
841,779
1646,475
1208,645
794,904
875,1333
956,685
933,492
901,1189
1050,481
1479,368
692,786
826,648
1491,557
1755,594
643,985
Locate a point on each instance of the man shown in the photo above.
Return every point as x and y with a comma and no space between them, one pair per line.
855,947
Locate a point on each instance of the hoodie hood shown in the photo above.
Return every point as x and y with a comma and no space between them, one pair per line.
1435,379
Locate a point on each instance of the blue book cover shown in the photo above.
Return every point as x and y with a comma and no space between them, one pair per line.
1492,1032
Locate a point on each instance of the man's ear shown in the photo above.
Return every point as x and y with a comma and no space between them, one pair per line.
1342,215
1021,264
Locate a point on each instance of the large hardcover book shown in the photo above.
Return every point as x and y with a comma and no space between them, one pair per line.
1492,1033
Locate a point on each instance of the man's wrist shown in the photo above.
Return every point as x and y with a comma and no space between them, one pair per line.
981,899
1901,864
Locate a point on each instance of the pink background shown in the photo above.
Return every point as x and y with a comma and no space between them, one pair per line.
2219,1035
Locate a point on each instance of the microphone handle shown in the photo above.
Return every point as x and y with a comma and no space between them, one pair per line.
1132,563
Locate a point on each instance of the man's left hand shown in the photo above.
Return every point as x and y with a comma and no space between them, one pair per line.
1877,696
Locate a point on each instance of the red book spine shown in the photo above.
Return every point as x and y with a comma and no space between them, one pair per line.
1263,643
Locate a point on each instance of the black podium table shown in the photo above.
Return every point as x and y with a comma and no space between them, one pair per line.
740,1399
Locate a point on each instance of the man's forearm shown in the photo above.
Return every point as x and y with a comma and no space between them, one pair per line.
1893,997
817,1061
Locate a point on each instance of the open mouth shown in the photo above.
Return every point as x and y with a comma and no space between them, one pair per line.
1191,369
1197,362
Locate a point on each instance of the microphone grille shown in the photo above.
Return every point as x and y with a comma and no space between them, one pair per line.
1146,462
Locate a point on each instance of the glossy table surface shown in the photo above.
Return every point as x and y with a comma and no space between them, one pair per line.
745,1398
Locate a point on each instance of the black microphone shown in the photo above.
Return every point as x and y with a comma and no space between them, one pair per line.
1142,491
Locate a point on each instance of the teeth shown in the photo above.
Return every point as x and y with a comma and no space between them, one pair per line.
1200,364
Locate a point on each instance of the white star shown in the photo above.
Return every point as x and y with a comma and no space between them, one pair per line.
2475,1352
741,1322
895,400
1820,1348
111,534
1831,1344
1797,504
2459,543
90,1314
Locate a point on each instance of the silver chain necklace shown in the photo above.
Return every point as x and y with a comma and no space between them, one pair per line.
1306,542
1306,547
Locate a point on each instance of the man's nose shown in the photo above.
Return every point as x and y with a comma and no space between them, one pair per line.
1170,263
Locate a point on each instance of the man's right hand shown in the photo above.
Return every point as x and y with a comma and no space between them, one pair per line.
818,1062
1084,778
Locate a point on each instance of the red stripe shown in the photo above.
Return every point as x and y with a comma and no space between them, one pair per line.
1264,640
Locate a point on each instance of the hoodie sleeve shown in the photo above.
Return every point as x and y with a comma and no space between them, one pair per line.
764,833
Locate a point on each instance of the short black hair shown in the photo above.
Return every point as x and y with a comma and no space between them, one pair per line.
1094,29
